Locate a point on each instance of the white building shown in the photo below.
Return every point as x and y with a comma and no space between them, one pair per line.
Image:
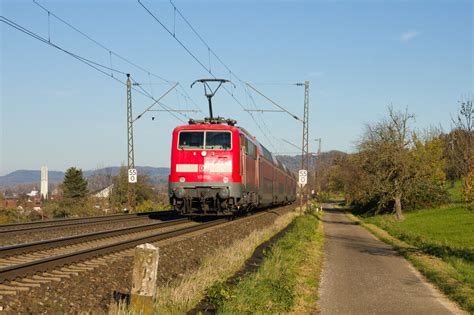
44,182
104,192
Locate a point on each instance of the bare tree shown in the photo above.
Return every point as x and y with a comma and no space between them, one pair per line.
101,178
465,117
460,142
386,147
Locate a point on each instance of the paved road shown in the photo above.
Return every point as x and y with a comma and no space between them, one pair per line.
362,275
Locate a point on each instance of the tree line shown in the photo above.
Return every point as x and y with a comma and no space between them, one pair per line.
77,200
398,167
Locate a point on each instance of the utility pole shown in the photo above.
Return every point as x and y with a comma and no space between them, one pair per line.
131,154
305,145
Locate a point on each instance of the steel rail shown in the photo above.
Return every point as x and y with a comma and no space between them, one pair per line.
78,221
10,273
17,249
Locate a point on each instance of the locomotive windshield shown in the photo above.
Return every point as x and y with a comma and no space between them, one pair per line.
209,140
217,140
191,140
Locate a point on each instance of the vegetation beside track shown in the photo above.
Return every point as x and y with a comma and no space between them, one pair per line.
286,281
184,294
439,242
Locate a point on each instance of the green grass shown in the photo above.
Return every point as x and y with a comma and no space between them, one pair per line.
446,233
276,287
450,226
455,192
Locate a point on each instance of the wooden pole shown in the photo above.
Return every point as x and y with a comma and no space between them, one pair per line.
145,270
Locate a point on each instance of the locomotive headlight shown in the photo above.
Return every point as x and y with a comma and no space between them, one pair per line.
182,179
225,179
223,193
203,153
179,193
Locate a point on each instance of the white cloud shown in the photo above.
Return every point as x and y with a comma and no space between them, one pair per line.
408,36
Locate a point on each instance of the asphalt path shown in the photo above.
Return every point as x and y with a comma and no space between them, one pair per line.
362,275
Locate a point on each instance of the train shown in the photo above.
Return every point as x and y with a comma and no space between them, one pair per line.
218,168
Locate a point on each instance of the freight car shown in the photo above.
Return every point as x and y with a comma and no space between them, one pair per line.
218,168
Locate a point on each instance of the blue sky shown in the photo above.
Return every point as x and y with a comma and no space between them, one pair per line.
359,56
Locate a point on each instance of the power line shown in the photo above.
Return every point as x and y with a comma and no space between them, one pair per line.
95,65
169,110
271,83
108,50
100,44
207,68
274,103
250,96
200,38
89,62
176,38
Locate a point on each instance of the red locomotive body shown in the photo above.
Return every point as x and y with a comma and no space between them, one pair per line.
219,168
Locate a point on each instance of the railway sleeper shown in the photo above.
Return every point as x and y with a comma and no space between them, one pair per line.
57,274
49,279
23,283
10,287
39,281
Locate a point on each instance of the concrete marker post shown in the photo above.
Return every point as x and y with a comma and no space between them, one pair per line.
145,270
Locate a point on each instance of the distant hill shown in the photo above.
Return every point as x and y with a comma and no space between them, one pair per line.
294,162
22,177
114,170
156,174
27,177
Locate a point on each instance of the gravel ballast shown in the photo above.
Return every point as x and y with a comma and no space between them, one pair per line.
93,291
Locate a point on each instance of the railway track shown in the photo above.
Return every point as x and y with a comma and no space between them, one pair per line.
67,223
28,260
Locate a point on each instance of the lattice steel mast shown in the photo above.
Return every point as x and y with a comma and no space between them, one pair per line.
305,145
131,154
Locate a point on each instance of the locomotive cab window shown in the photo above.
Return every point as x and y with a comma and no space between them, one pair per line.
189,140
208,140
218,140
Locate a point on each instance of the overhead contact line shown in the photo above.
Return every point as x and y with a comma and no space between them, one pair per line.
93,64
206,68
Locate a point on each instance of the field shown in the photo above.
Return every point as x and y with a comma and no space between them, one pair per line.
442,230
446,233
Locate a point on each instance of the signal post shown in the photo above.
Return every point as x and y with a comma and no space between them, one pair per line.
302,181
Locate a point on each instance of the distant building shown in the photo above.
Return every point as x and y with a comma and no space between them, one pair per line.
10,201
55,195
33,193
103,192
44,182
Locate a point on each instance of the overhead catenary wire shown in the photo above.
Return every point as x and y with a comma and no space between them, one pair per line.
89,62
95,65
157,101
110,51
209,49
206,68
275,103
250,97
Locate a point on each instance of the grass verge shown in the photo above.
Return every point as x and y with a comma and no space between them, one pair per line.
453,275
287,281
178,297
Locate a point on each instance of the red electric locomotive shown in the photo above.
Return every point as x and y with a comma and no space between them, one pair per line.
219,168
